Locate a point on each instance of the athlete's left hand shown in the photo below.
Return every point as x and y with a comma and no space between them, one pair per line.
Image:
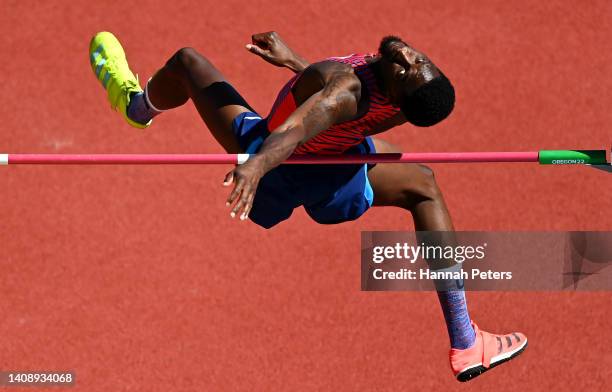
270,47
245,178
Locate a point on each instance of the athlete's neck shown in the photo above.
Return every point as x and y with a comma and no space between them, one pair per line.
374,64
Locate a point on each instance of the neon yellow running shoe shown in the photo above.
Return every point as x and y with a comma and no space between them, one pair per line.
110,66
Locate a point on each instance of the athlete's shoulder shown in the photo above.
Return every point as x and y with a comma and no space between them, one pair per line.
355,65
340,81
329,71
328,66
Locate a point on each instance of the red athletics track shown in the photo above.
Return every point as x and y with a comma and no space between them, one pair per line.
137,279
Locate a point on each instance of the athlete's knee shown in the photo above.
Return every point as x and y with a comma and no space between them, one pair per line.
187,58
419,188
427,186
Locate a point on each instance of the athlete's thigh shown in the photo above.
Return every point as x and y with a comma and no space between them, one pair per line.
393,183
216,100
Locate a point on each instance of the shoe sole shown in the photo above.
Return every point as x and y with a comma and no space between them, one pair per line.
477,370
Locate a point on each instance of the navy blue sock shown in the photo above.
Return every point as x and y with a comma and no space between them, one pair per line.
458,323
139,110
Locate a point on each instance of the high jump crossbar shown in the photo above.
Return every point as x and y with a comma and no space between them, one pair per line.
545,157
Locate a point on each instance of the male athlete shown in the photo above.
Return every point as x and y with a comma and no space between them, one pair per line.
329,107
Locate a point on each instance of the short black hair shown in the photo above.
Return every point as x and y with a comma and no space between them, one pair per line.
383,48
430,103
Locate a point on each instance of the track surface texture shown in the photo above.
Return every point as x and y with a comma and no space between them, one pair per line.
137,279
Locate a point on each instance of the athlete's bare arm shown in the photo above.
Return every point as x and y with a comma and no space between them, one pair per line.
336,100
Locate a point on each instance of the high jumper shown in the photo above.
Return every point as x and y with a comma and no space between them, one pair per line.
330,107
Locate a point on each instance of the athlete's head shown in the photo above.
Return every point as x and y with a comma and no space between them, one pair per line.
414,83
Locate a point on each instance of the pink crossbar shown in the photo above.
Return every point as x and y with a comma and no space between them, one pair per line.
169,159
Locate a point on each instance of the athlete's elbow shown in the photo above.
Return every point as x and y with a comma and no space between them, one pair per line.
287,126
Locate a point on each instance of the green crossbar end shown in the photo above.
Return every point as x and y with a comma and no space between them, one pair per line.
572,157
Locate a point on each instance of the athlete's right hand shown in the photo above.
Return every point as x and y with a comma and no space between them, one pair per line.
270,47
245,178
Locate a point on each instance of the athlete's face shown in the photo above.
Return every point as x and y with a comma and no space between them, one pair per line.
406,70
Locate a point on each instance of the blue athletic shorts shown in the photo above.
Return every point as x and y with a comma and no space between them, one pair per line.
329,193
